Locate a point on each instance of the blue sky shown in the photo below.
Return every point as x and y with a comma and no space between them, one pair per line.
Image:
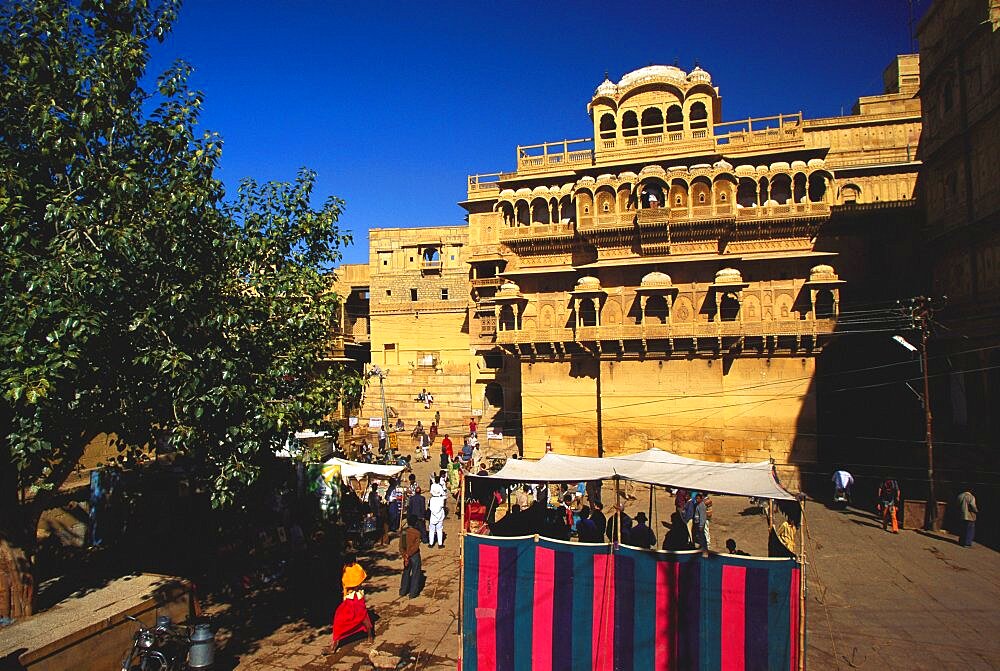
394,104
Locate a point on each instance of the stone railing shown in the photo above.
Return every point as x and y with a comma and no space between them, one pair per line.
652,331
480,282
535,231
786,210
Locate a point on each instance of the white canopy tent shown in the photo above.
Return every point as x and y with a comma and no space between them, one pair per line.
654,466
356,469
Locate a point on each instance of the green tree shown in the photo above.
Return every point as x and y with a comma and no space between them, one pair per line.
135,300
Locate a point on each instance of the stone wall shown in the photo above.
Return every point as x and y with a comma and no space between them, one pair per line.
745,409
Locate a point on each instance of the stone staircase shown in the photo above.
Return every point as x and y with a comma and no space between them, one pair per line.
451,393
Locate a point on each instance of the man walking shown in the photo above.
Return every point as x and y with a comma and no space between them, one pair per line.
968,511
409,549
888,497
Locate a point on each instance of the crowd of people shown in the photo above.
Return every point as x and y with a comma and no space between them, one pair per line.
566,512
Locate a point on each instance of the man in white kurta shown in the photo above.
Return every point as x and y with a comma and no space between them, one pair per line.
436,506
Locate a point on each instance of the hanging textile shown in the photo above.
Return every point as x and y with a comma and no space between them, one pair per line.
553,605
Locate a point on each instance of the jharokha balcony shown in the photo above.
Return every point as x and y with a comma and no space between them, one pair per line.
714,329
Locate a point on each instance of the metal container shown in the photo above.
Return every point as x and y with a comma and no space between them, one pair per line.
201,655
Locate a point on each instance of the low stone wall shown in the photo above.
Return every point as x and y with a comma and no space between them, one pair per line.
89,632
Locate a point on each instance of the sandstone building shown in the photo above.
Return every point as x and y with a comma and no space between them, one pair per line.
960,71
669,281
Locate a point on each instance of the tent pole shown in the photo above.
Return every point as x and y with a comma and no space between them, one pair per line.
461,563
618,511
650,513
802,587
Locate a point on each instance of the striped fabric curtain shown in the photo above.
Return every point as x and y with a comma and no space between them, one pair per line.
551,605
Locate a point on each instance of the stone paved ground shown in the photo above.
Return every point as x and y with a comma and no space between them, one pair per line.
875,601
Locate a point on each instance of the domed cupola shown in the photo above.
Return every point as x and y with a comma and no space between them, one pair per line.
607,88
699,76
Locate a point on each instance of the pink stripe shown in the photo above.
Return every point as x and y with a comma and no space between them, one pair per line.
665,652
541,628
603,654
793,662
734,580
486,612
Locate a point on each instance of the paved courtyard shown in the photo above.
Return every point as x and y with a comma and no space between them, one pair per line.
875,600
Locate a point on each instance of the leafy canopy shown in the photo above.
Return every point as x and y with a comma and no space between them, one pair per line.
135,299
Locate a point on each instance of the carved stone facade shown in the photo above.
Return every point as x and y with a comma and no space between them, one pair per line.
960,73
671,281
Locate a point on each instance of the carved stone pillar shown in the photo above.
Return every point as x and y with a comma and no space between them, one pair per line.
642,309
576,311
596,300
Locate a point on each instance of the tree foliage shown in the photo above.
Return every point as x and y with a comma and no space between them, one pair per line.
135,298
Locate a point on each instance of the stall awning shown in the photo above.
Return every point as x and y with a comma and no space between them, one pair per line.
357,469
654,466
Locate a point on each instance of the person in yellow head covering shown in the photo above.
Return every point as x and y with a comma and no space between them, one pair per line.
353,574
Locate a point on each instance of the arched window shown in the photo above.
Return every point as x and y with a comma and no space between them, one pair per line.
699,116
657,311
652,121
507,321
799,188
781,189
729,310
652,195
850,193
817,187
432,254
824,304
588,315
523,213
746,193
567,213
608,126
540,212
675,119
630,124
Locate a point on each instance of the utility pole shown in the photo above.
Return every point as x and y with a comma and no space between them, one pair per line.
922,311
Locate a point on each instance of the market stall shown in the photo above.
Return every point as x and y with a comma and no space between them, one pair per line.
534,602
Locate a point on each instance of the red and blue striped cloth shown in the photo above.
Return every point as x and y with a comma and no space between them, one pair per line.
551,605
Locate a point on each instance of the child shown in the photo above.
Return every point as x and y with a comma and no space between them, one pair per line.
352,613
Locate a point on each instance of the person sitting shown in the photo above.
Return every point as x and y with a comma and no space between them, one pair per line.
400,427
351,615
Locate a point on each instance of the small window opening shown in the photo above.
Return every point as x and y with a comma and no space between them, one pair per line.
388,292
444,294
413,294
